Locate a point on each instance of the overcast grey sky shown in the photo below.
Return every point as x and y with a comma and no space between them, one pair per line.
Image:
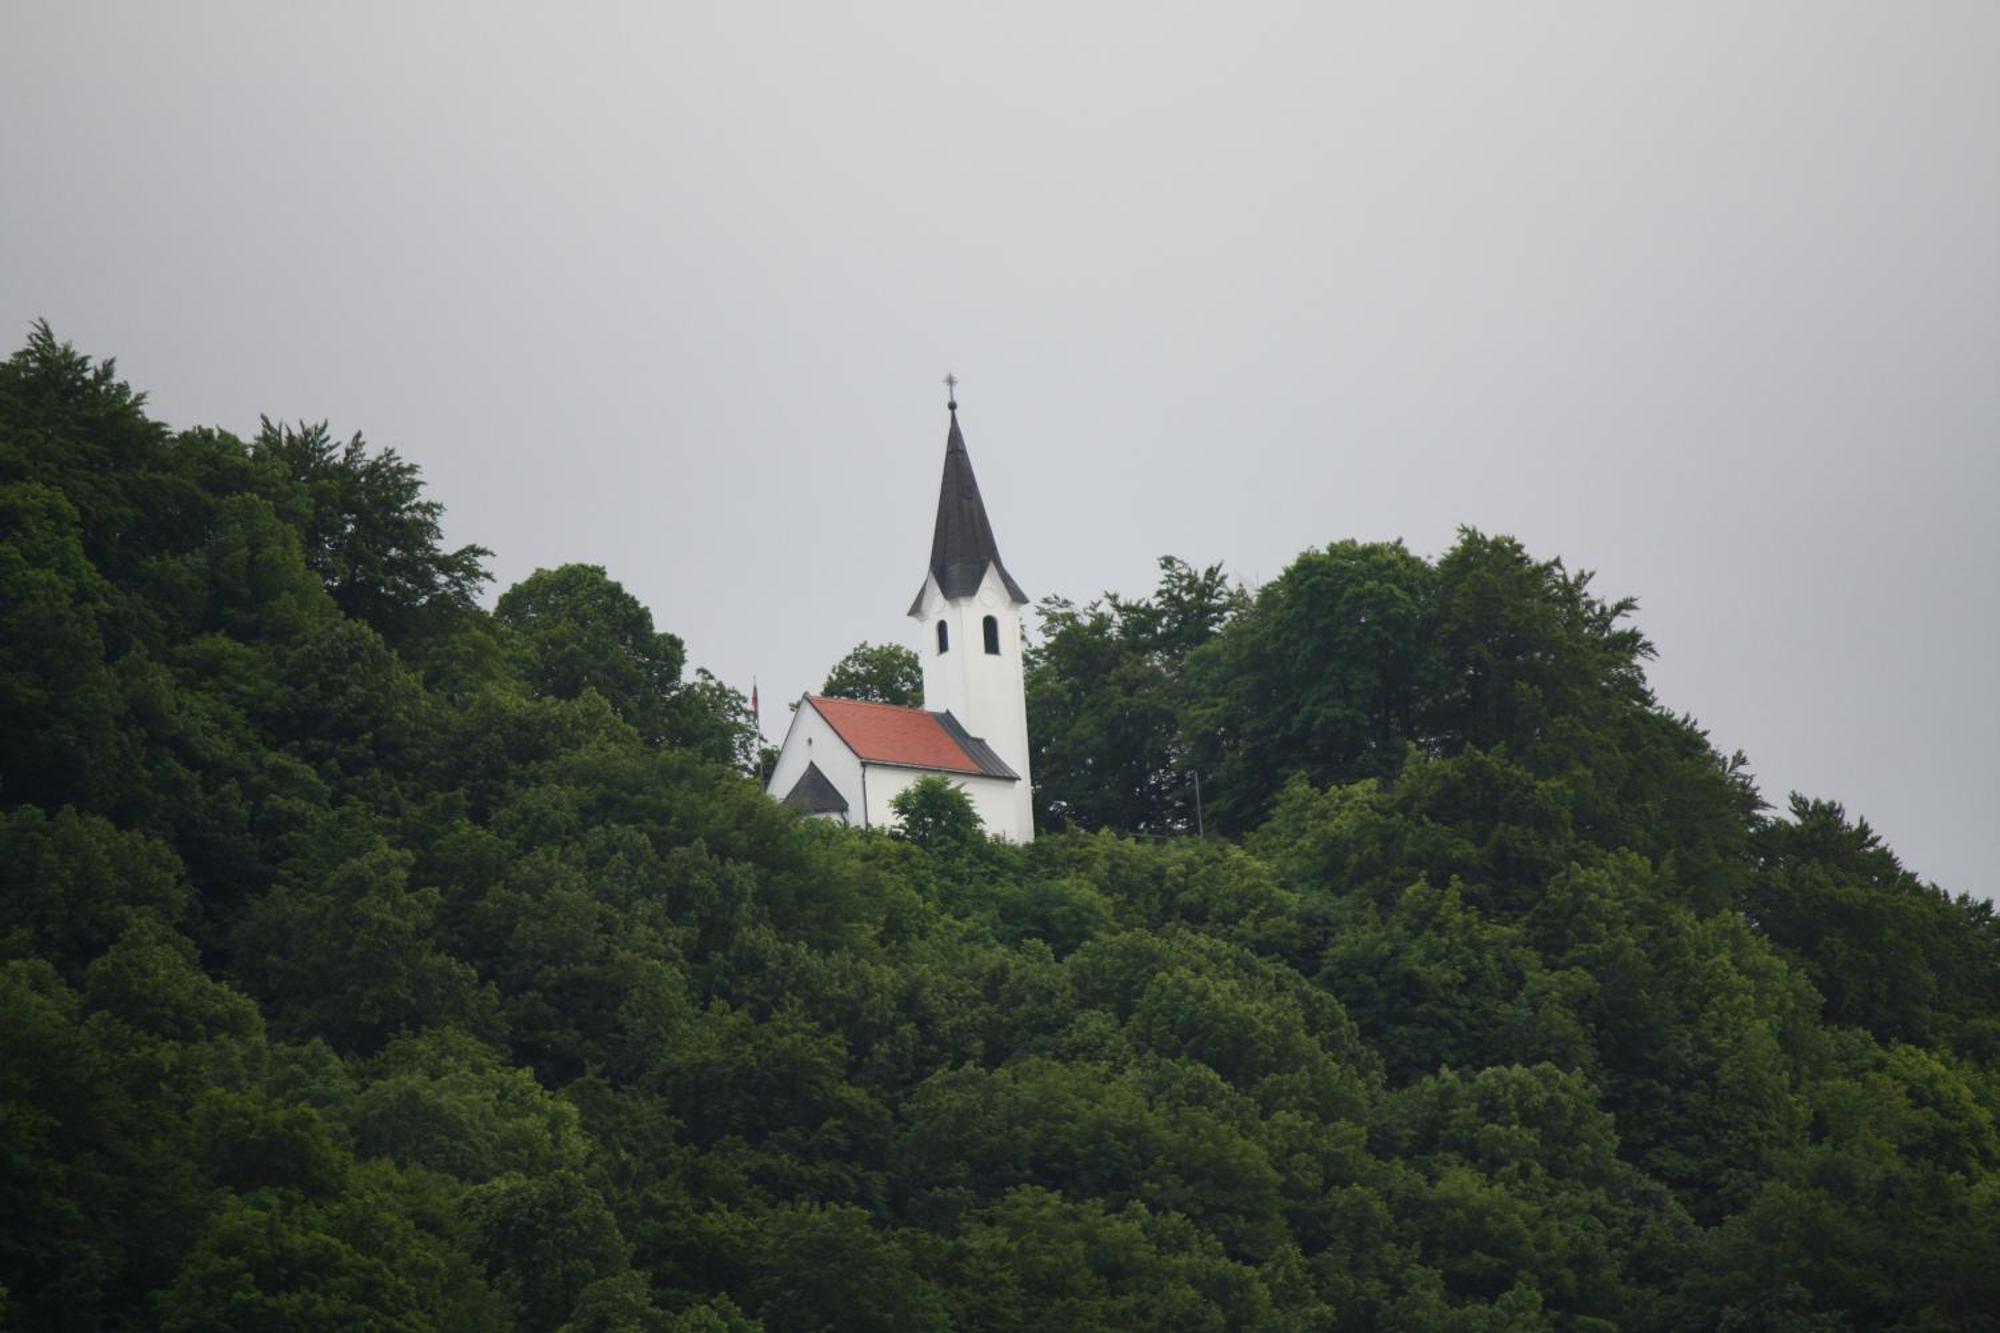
1705,297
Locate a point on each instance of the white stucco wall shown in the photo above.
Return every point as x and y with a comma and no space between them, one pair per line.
986,692
812,740
992,798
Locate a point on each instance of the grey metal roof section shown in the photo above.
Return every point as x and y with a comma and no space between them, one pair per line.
977,750
815,795
962,545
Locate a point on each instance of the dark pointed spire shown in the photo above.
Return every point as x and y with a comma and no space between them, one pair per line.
962,544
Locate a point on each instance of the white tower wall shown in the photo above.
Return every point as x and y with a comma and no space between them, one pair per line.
986,692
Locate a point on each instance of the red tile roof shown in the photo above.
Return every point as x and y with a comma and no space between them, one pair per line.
886,734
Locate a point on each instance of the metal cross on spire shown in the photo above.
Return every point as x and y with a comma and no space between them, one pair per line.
951,388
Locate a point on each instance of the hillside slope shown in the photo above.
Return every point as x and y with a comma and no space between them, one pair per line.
371,959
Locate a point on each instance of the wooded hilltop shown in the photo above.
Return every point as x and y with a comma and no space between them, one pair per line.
371,959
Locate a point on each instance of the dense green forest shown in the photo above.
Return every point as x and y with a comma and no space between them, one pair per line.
372,959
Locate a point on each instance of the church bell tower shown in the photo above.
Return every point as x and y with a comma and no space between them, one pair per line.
969,611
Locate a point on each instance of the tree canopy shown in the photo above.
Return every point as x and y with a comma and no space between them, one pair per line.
370,959
882,673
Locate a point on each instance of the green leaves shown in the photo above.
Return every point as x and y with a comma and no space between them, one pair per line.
1105,688
1888,952
349,954
370,961
447,1102
71,884
582,631
367,533
544,1240
1325,673
1434,984
935,813
883,673
59,703
579,631
1351,661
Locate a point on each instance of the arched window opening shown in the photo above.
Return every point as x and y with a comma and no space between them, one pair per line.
944,638
992,636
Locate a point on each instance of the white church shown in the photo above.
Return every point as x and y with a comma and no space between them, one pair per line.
846,760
